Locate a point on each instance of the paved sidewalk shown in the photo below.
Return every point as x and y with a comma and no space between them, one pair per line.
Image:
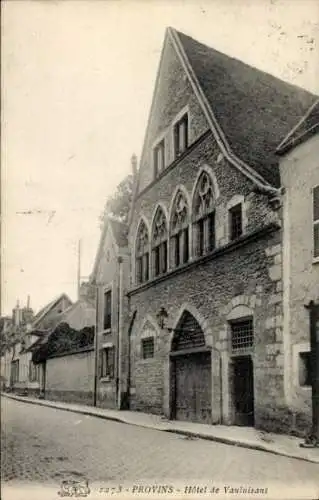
246,437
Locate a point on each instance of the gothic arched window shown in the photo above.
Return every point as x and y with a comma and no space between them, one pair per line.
159,243
142,253
204,215
180,230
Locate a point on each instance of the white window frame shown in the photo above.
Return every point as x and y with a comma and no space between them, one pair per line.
296,350
313,224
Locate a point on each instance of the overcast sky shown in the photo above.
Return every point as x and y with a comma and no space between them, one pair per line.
77,83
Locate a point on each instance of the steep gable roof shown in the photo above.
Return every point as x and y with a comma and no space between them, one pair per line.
253,109
305,128
46,309
119,231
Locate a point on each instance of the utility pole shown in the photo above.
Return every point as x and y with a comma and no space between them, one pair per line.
79,270
312,441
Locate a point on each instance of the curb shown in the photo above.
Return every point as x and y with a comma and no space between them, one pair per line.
207,437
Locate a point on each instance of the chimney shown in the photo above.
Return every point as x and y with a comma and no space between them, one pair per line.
27,313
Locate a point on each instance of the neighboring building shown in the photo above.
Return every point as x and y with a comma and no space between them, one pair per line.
299,171
24,376
206,242
13,331
111,278
65,354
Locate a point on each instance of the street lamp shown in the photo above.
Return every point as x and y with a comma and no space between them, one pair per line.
162,316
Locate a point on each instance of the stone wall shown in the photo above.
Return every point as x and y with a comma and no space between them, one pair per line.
71,377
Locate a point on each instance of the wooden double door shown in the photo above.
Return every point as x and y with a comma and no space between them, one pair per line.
192,387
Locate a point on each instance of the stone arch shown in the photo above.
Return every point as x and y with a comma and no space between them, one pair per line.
203,323
247,301
142,220
149,320
158,206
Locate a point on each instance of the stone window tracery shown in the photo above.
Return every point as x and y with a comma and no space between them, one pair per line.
159,243
180,230
204,215
142,253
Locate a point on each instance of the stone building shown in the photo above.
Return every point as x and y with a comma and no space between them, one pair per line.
299,172
206,231
110,277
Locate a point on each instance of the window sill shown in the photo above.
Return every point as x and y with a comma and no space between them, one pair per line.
146,360
106,379
315,260
106,332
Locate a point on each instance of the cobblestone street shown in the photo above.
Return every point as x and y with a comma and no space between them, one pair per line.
45,445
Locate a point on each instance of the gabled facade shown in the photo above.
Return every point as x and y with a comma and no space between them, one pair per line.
299,171
110,276
206,240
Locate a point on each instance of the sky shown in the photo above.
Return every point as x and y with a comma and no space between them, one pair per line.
77,83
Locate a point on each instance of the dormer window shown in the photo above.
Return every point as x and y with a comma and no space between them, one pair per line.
235,222
159,158
181,136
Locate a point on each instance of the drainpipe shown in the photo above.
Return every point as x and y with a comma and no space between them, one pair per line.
96,344
129,375
119,334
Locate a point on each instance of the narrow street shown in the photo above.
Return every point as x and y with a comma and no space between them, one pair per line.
45,446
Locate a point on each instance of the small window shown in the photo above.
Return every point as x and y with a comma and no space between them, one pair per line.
159,158
304,369
107,363
235,222
316,222
148,348
242,334
107,310
181,136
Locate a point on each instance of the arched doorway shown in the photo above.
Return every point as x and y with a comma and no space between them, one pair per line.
191,387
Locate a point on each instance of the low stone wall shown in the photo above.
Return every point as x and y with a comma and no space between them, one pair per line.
70,378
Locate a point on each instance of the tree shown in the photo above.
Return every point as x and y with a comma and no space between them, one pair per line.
118,205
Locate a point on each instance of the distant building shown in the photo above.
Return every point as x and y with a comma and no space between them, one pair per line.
21,374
